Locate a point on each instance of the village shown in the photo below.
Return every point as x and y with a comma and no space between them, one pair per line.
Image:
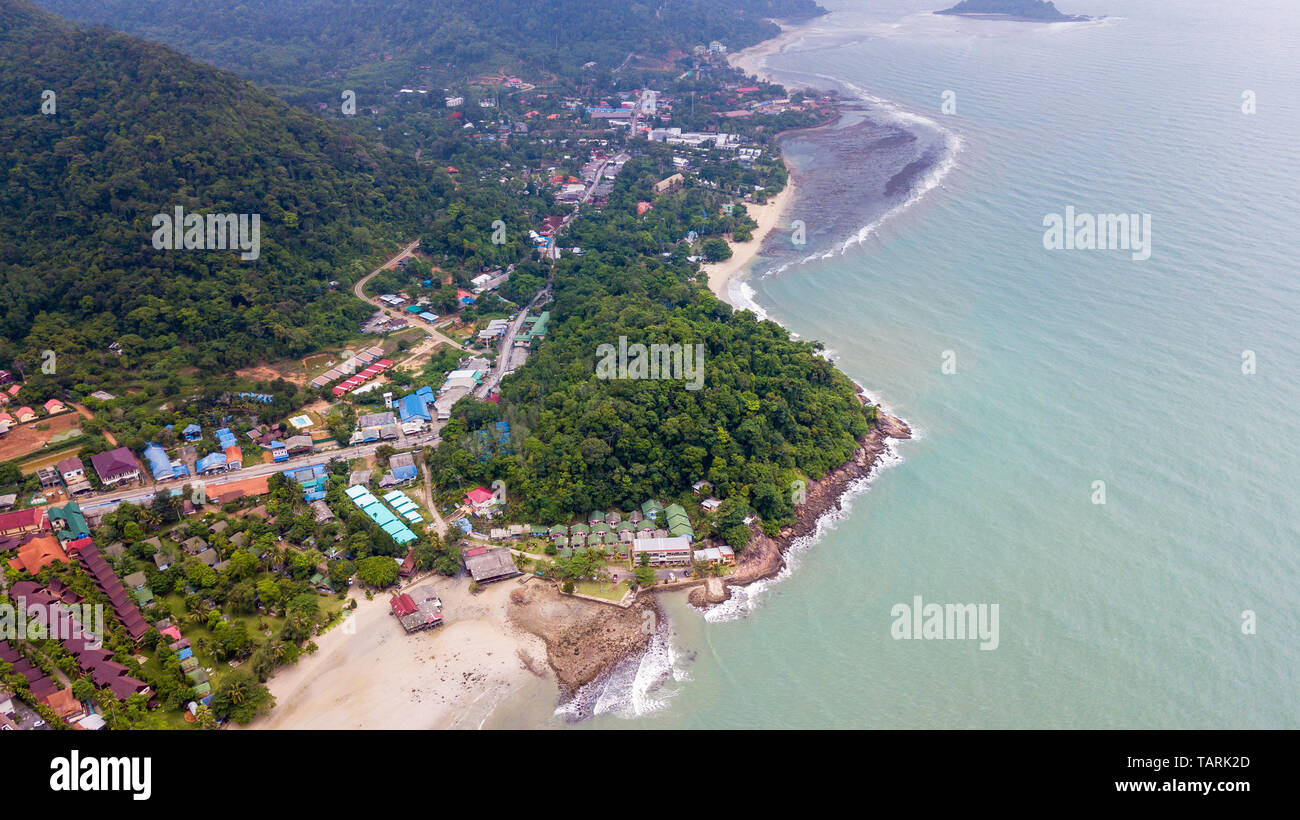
225,540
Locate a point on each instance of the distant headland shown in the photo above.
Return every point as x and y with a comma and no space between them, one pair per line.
1028,11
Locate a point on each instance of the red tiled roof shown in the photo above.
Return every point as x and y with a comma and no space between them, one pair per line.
32,517
39,553
402,605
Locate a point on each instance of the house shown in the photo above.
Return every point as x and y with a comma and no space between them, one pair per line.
48,476
24,414
671,550
421,608
448,400
192,432
68,522
488,564
71,469
65,704
136,580
211,464
670,184
194,546
402,466
298,444
209,556
115,466
722,554
20,522
162,560
234,457
54,406
39,553
159,464
480,500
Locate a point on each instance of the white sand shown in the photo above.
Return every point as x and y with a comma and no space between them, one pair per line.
751,60
378,677
768,216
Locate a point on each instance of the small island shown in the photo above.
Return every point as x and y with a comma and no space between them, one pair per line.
1027,11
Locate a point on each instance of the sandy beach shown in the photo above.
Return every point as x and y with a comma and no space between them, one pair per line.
750,60
768,216
372,675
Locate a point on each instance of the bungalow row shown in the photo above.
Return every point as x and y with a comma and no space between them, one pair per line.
354,382
405,506
25,414
108,583
358,362
86,648
380,514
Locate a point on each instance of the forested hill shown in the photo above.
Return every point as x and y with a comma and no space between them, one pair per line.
138,130
301,43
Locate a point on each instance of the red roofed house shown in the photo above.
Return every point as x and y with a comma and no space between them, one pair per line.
24,521
116,466
39,553
480,500
54,406
402,604
25,414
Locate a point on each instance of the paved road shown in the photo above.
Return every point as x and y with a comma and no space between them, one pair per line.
508,344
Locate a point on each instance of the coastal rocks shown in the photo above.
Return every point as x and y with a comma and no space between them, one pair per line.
713,592
582,638
762,557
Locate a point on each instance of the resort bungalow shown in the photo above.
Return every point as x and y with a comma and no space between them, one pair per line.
54,406
672,550
115,466
25,414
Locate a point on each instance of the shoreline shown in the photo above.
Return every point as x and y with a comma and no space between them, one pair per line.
436,679
768,215
371,674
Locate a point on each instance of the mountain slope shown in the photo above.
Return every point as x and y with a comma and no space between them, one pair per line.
139,130
307,42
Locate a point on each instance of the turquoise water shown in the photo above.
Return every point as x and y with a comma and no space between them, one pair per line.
1072,367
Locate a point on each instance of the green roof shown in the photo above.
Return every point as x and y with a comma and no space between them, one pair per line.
579,528
600,526
76,522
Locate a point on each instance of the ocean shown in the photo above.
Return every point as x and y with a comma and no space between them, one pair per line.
1108,446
